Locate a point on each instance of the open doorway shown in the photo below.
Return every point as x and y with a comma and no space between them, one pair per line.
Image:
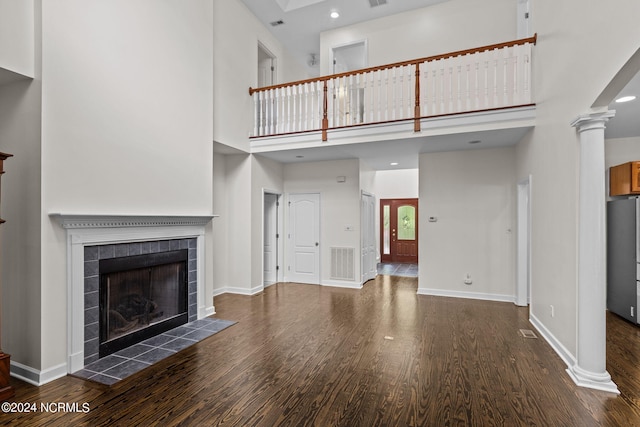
349,57
271,239
348,98
266,67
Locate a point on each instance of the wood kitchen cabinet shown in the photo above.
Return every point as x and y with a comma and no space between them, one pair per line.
624,179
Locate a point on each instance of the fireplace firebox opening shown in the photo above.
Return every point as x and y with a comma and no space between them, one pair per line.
141,296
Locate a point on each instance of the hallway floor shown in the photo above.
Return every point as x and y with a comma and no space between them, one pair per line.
398,269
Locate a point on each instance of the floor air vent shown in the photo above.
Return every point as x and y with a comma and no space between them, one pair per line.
342,265
527,333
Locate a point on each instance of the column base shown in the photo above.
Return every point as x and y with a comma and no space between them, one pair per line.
6,391
593,380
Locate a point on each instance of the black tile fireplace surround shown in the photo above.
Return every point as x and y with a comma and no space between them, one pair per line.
141,296
177,256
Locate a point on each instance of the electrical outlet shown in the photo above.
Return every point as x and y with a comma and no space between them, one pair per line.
467,279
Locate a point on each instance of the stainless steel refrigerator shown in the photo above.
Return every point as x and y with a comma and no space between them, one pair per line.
623,257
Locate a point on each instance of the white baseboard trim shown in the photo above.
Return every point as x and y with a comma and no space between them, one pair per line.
209,311
341,284
556,345
35,376
468,295
578,376
241,291
219,291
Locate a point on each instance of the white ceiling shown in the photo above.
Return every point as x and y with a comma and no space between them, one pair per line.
380,154
626,122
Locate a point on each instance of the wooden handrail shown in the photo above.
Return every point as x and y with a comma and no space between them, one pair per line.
517,42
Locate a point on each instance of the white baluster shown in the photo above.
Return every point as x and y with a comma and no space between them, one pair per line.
458,88
401,90
467,104
425,88
372,100
411,91
495,78
345,101
526,76
434,91
505,76
263,113
272,104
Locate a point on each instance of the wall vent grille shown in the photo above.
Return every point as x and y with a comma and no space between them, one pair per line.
342,263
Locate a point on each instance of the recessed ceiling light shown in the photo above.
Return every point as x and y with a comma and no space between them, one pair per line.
626,99
475,141
334,14
394,164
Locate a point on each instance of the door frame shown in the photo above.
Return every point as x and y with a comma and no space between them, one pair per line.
364,233
279,247
523,257
381,229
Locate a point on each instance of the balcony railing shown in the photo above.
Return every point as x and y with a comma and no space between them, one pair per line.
485,78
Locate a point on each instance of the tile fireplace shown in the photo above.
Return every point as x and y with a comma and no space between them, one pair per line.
147,271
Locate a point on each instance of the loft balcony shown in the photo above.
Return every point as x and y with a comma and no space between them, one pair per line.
485,87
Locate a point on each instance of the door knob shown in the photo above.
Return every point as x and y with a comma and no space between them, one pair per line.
317,244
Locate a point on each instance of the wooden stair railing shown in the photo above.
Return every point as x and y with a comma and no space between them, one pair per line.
484,78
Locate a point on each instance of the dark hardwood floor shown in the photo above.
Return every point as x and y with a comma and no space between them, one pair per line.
379,356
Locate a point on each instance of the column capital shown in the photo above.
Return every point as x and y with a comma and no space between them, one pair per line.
593,120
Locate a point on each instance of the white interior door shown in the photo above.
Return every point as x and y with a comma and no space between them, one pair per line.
368,244
270,239
304,238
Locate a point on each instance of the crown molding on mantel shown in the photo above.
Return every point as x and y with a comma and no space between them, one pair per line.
73,221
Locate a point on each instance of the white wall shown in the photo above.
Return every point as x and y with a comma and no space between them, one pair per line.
396,184
17,36
221,225
236,33
21,208
441,28
472,195
339,206
578,52
20,135
238,221
126,123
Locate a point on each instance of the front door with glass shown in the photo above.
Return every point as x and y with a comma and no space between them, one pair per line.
399,230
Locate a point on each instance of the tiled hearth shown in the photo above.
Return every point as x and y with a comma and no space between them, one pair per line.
129,361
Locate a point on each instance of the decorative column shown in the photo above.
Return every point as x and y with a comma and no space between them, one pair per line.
590,369
6,391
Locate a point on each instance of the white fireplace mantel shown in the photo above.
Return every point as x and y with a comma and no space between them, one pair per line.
94,229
